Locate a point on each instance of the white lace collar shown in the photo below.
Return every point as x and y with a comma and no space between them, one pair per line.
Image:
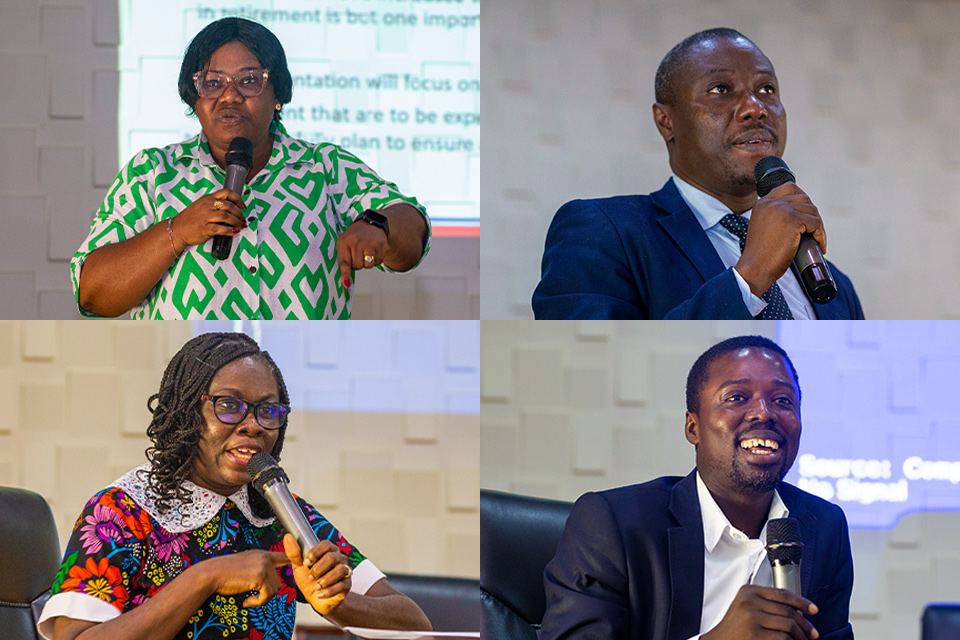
184,517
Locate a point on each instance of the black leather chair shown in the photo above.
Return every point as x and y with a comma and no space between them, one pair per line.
941,621
518,537
29,559
451,604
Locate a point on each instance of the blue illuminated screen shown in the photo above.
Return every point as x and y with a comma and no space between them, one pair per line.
881,435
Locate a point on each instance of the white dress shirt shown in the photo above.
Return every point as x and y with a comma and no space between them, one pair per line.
731,559
708,211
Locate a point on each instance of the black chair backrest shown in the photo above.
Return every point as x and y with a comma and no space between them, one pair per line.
451,604
518,537
29,559
941,621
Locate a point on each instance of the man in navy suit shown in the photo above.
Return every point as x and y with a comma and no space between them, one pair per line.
677,253
679,558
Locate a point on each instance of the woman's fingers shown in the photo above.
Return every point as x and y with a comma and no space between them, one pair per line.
259,599
254,570
292,550
336,574
227,212
226,194
360,246
339,586
323,570
217,214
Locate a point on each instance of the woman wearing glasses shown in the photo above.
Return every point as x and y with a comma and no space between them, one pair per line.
309,214
183,547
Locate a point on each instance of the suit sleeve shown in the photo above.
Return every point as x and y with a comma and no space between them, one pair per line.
586,583
589,272
833,620
585,273
719,298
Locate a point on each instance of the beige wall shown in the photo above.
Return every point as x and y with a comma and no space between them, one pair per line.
567,407
58,155
402,487
570,407
869,86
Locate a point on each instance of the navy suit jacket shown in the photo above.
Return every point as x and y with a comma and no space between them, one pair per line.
646,257
629,565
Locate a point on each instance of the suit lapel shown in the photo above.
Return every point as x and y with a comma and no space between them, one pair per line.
682,227
808,533
833,310
685,543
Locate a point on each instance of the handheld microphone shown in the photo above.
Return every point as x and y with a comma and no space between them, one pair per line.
784,549
770,173
269,479
239,159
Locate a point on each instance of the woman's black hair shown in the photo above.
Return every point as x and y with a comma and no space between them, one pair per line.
177,420
256,37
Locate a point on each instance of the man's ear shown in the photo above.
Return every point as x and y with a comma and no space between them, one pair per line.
691,428
663,118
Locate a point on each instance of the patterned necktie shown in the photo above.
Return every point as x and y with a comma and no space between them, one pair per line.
776,308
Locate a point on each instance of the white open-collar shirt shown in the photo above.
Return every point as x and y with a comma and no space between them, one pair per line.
730,559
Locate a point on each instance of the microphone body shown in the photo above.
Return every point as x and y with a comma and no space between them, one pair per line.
771,172
784,550
239,159
787,576
269,479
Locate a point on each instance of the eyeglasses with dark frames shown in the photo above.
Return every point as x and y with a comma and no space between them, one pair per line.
249,82
233,410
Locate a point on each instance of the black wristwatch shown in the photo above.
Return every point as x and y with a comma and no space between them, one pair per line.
376,219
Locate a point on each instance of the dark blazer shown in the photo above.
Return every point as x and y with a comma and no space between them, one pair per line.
629,565
647,258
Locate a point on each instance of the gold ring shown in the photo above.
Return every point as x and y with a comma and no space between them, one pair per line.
349,572
368,259
218,204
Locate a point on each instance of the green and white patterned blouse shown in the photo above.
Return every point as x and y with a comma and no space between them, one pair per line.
282,266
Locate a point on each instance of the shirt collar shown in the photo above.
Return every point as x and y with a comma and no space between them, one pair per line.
715,523
286,150
184,516
707,209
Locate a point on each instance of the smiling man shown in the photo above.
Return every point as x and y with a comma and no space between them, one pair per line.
679,558
677,253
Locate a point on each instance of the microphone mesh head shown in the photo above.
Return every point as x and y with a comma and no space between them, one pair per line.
258,462
783,540
770,173
262,468
767,163
240,152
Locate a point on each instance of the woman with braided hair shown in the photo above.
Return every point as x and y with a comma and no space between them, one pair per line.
182,547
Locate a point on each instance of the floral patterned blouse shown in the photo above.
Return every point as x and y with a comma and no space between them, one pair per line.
123,551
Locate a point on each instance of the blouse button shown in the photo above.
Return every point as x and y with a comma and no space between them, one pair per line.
253,269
